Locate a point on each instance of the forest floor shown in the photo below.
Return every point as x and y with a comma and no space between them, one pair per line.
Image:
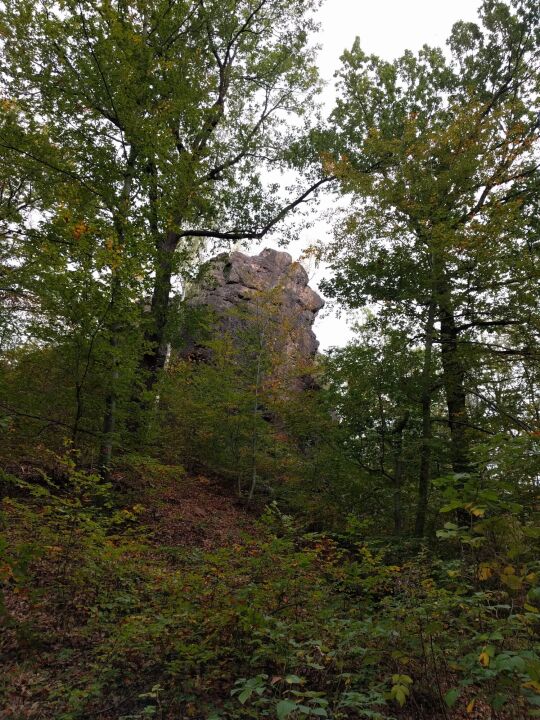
196,512
45,635
93,616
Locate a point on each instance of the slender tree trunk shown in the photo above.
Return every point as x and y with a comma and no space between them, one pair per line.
424,475
109,416
78,412
109,419
255,433
398,472
260,349
155,352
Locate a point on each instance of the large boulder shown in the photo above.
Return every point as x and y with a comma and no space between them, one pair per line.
242,289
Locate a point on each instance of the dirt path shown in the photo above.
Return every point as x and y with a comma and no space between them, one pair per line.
194,512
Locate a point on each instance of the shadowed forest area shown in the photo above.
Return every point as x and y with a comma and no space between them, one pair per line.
201,515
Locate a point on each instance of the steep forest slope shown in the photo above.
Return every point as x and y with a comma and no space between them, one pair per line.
201,515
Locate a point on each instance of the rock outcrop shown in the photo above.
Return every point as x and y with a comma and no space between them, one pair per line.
269,289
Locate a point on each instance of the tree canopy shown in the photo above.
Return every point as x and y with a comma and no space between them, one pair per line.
202,515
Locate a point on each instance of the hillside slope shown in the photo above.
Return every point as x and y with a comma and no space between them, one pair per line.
168,599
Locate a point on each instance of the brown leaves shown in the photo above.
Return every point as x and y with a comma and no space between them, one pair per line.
79,230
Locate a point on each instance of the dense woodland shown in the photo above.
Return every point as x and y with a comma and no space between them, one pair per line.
213,539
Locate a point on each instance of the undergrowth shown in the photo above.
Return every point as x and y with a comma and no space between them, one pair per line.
102,622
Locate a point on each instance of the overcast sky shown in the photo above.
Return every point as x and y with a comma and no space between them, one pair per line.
385,28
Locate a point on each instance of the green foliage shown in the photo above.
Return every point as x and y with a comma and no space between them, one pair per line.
132,133
292,625
375,385
438,156
237,406
394,571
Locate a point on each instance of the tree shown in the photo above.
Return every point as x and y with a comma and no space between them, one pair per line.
441,157
379,387
22,192
156,122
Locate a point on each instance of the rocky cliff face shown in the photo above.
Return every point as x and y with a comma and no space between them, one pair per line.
268,289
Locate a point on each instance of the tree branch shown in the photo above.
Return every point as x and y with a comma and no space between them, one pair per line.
58,423
257,234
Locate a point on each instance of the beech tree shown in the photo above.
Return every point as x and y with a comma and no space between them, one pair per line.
441,158
157,123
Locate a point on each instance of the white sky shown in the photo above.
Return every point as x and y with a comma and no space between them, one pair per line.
385,28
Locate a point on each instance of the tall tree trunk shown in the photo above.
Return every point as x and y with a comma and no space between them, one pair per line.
453,372
155,354
424,474
78,411
109,418
262,324
114,327
255,435
454,385
397,433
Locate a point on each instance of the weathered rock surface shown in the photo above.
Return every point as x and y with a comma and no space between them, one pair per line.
269,289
